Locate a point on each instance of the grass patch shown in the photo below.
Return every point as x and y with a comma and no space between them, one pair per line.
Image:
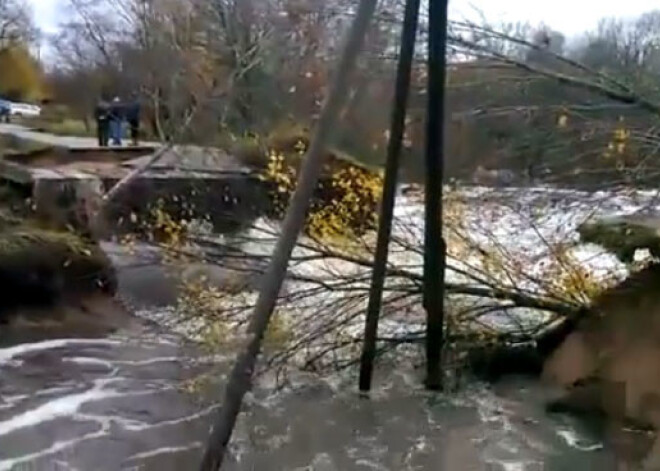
58,120
69,127
63,127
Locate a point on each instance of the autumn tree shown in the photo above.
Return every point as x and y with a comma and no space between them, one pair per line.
21,78
251,68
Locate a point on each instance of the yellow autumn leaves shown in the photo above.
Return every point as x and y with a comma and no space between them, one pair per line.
20,75
345,201
559,276
618,143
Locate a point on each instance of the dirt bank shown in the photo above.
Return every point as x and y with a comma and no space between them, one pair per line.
609,364
53,279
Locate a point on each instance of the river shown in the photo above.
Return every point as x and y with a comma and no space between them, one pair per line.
117,402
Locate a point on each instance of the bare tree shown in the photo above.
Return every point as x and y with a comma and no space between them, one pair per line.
15,23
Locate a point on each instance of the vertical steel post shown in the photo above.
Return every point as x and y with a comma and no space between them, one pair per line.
397,131
434,243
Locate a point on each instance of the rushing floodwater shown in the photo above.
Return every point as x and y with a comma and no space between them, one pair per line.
116,403
93,404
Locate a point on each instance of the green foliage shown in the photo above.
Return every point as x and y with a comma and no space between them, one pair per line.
198,297
7,219
58,120
250,150
200,300
66,127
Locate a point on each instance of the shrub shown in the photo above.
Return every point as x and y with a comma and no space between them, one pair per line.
345,200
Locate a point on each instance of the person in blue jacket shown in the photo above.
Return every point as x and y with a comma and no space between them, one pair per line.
116,116
5,111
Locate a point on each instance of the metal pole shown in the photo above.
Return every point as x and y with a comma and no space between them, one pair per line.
397,130
434,244
240,379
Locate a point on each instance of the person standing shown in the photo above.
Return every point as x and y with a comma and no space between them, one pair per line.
5,111
133,118
102,116
116,121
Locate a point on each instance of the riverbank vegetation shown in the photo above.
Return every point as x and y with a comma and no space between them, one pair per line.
41,267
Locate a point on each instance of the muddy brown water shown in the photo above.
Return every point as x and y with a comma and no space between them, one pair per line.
114,402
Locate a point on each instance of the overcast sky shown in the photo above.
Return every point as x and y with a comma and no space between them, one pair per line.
571,17
568,16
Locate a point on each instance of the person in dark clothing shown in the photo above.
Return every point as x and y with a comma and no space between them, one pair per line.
5,111
133,118
116,121
102,116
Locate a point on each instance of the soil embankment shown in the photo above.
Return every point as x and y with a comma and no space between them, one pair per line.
609,364
54,280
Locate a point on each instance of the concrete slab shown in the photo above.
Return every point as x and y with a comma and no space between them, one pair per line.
68,142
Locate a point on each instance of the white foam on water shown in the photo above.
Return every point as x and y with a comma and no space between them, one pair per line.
514,466
54,390
14,463
66,406
111,364
521,225
371,465
573,440
166,450
10,401
89,361
150,361
169,423
61,407
510,228
10,353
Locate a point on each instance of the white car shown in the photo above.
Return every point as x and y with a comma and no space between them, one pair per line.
24,109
